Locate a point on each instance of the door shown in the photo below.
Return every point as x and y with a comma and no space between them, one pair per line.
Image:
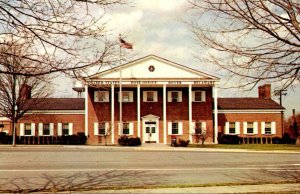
150,132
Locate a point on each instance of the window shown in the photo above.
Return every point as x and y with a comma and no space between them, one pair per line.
268,129
174,96
175,128
101,96
101,128
126,129
127,96
250,128
150,96
27,130
65,129
198,128
46,129
231,127
199,96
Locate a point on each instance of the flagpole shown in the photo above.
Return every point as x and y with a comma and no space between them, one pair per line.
120,92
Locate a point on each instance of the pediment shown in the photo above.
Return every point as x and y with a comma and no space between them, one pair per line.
150,117
152,67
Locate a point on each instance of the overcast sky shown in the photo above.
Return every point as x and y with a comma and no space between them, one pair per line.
158,27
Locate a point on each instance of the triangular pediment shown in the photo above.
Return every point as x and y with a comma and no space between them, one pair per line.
153,67
150,117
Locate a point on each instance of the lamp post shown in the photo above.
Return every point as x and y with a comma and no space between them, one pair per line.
281,93
14,124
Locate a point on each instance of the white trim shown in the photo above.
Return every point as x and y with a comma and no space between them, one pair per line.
165,112
215,89
32,129
96,131
263,128
70,128
86,97
131,128
250,111
59,129
245,128
273,127
138,110
112,106
255,128
190,114
226,129
22,129
41,125
237,128
203,128
51,128
180,129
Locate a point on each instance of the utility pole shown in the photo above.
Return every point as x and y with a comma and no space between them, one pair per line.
280,93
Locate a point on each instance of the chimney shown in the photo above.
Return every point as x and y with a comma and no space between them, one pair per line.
264,91
25,92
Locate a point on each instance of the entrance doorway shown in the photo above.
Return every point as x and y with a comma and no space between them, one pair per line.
150,129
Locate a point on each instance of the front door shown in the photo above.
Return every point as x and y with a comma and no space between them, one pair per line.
150,132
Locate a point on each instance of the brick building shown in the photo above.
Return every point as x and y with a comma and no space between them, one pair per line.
160,99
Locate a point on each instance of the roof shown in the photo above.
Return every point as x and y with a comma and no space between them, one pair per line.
247,103
59,104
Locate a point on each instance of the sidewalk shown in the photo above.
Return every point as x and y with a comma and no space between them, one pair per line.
143,147
265,188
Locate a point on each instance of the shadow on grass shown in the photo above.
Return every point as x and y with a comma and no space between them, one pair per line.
82,181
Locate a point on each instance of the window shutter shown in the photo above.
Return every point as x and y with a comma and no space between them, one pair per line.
131,128
226,128
51,125
203,96
70,128
106,96
144,96
32,129
22,128
180,130
179,96
194,127
255,128
155,99
193,96
96,96
203,126
237,128
40,129
131,96
107,128
169,96
263,127
119,129
245,127
170,128
59,129
273,127
96,132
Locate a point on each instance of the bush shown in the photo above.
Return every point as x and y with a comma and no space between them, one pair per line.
286,139
4,138
183,143
129,141
228,139
276,140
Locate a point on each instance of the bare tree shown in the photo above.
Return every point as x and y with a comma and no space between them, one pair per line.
65,35
253,40
202,135
19,93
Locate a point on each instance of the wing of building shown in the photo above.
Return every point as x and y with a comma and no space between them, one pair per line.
154,99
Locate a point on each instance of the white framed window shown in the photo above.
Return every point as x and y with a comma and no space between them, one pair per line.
250,128
175,128
101,128
101,96
27,129
200,128
127,96
64,129
46,129
268,128
149,96
174,96
199,96
232,128
127,128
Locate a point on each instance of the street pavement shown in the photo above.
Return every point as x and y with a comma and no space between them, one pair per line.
53,168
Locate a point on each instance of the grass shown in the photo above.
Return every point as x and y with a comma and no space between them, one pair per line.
262,147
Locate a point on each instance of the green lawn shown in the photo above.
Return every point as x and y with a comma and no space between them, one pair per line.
251,146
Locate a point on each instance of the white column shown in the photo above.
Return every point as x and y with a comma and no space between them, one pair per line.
112,110
190,114
215,113
165,112
86,126
138,110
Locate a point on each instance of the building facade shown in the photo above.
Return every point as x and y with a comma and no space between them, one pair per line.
154,99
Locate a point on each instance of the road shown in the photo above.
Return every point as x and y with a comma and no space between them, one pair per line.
76,168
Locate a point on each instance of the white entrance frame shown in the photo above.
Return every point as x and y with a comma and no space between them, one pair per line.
149,118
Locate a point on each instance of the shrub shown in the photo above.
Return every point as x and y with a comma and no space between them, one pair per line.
129,141
276,140
4,138
229,139
183,143
286,139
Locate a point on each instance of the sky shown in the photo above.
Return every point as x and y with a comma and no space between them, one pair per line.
158,27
